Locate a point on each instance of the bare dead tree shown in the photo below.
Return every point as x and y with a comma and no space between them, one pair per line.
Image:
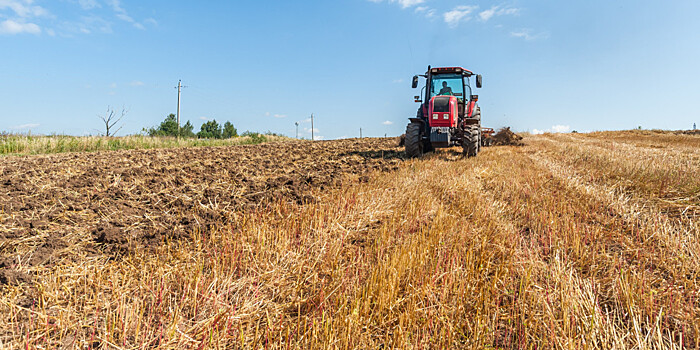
111,119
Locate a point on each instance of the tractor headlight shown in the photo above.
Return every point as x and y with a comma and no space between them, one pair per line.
435,115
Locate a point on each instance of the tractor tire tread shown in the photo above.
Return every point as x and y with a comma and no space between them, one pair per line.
472,142
414,144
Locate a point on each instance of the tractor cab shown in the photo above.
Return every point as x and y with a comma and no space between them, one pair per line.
448,81
447,84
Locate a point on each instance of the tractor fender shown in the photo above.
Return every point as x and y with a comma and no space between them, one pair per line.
470,108
417,120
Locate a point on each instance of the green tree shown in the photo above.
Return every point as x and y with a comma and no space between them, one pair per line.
229,131
210,130
186,130
169,128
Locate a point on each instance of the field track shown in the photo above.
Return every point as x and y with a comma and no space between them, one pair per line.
571,241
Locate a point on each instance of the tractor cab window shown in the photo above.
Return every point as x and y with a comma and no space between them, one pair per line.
447,84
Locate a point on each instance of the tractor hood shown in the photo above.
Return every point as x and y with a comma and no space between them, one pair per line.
443,111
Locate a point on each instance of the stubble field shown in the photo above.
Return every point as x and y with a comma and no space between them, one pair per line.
571,241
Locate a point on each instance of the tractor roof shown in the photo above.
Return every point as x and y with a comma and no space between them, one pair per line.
447,70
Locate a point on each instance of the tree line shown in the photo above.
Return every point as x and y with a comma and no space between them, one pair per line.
209,130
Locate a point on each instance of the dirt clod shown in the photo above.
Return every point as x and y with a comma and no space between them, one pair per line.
109,235
13,277
505,137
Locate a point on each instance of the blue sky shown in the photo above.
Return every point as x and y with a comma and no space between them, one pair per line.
264,65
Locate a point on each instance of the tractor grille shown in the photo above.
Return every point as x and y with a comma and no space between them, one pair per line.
441,104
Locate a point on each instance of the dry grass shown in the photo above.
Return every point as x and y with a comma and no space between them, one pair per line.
573,241
16,144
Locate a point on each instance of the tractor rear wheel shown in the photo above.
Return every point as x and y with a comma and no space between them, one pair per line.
414,144
471,142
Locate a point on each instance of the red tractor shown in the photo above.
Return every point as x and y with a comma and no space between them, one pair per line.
449,116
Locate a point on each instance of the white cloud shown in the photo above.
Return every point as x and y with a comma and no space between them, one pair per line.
88,4
89,24
458,14
527,34
553,129
388,122
121,13
23,8
12,27
409,3
561,128
20,16
204,118
487,14
497,11
137,83
427,11
403,3
25,126
398,81
113,85
280,116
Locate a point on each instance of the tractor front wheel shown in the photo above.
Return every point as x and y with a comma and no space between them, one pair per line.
414,142
472,141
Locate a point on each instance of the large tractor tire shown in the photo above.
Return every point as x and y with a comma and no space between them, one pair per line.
414,144
472,141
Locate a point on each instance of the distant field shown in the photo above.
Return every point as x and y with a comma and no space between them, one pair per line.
25,144
573,241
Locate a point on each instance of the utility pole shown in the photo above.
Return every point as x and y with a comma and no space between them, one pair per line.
297,124
360,132
179,92
312,127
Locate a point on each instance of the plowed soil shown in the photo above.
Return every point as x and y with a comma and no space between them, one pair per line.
128,199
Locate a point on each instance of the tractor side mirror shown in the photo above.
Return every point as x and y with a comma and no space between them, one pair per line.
478,81
415,81
417,99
